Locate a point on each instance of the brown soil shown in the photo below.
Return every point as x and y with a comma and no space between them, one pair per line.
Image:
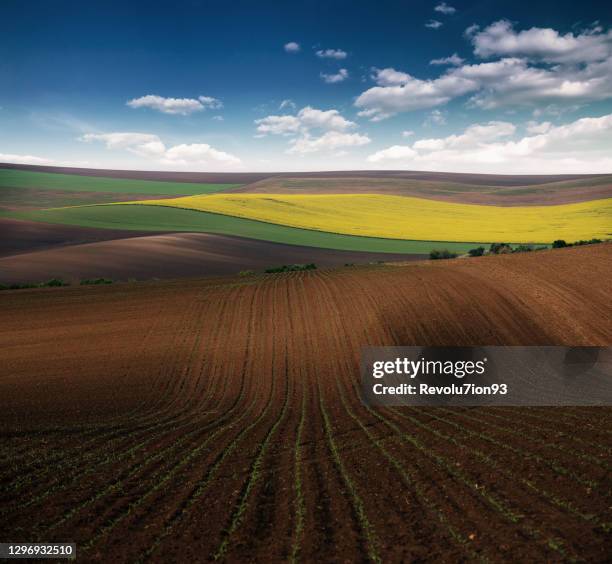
18,236
173,255
247,177
457,190
182,421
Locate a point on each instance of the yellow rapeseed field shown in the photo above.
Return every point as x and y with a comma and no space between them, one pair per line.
399,217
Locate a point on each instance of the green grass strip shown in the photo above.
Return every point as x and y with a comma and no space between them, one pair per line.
79,183
158,218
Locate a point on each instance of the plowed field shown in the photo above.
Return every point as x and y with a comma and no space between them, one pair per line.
221,418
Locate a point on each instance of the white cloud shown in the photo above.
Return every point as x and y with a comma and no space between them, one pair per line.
218,118
445,9
330,127
278,125
201,153
433,24
292,47
535,127
407,133
583,146
390,77
512,82
307,118
471,137
340,76
208,102
287,104
23,159
454,60
151,146
547,70
543,44
435,117
328,141
324,119
337,54
400,92
143,144
394,153
175,106
471,30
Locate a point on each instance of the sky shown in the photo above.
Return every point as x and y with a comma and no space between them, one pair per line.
459,86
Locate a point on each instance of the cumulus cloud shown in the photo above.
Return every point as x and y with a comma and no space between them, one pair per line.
539,67
433,24
400,92
584,145
337,54
545,44
175,106
201,153
445,9
278,125
473,136
513,82
307,118
328,141
340,76
151,146
390,77
407,133
535,127
23,159
292,47
454,60
312,130
394,153
324,119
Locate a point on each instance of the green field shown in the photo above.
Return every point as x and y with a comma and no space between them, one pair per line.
157,218
76,183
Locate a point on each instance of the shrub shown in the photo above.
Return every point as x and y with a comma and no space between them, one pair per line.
25,285
559,244
246,273
349,264
53,283
523,249
94,281
589,242
477,252
440,254
291,268
500,248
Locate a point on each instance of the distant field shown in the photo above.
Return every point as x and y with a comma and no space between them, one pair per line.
71,182
168,219
398,217
547,193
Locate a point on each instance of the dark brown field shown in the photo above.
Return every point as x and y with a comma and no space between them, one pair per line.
135,255
19,236
221,418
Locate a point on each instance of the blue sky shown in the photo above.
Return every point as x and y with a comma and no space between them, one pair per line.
210,85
